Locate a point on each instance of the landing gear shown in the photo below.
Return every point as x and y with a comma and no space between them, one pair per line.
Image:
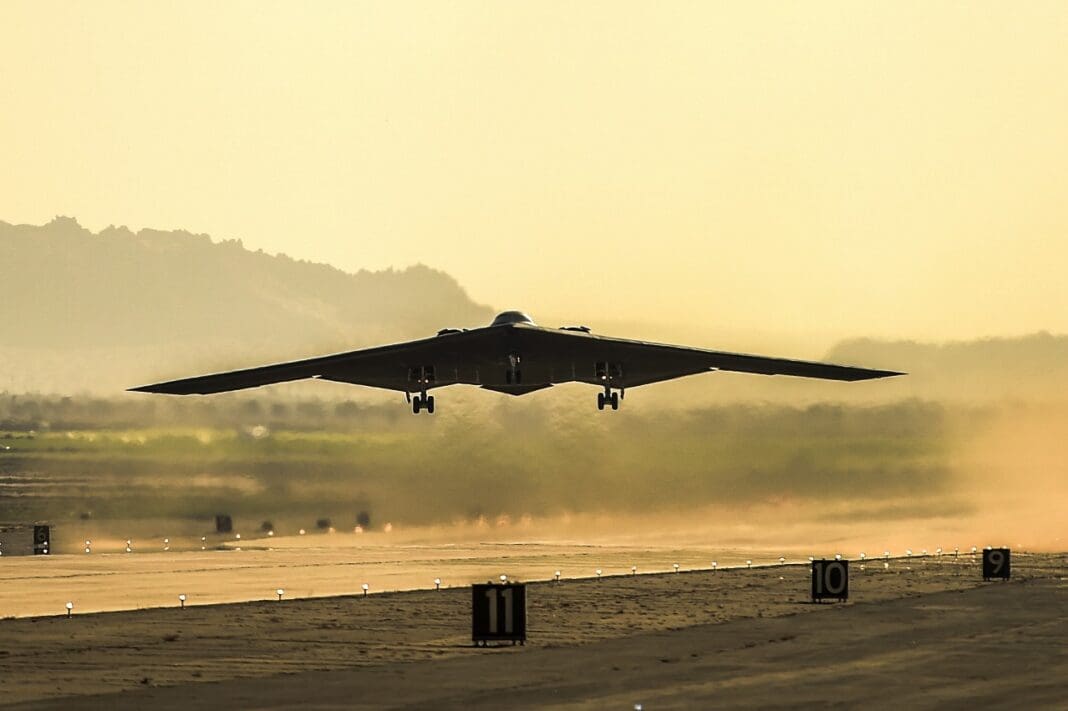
513,376
421,377
423,402
608,398
610,375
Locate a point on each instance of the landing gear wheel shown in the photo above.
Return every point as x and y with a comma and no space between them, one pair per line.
417,404
615,401
430,405
600,401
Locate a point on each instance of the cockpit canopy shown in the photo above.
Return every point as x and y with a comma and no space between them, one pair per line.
508,317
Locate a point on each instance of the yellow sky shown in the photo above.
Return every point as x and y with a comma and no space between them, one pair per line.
826,169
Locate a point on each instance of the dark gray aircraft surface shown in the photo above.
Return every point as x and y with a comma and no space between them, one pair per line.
512,355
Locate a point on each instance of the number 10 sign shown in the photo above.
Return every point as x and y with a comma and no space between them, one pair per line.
498,613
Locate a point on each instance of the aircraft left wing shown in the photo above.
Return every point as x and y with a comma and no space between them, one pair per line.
381,367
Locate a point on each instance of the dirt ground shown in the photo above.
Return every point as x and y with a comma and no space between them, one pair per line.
923,632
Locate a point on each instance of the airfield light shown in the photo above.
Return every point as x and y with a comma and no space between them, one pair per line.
70,608
633,570
862,556
838,556
886,554
181,599
938,551
237,536
366,587
270,533
128,549
956,552
748,564
908,552
676,567
504,578
973,550
924,552
714,564
810,559
598,571
279,592
437,583
302,531
87,549
782,560
557,576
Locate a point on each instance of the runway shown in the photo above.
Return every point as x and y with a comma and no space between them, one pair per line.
318,566
922,633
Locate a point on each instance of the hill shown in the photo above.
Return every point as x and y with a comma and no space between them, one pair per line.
82,309
1031,367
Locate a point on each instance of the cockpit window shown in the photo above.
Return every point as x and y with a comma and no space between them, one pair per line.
508,317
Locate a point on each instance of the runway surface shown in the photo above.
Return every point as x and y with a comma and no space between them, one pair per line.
317,566
922,633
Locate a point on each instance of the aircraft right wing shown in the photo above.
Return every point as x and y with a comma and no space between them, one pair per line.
643,362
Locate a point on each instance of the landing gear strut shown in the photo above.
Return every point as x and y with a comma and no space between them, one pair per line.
609,375
421,377
421,402
608,398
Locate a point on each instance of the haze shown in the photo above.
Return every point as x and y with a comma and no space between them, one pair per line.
818,171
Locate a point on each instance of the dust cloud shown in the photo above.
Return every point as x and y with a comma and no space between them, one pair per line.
905,474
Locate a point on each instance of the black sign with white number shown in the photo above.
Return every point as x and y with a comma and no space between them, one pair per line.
41,540
996,563
830,580
499,612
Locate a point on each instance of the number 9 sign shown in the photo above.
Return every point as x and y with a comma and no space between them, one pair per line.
996,563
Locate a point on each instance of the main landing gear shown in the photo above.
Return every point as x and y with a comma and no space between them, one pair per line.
421,378
421,402
609,398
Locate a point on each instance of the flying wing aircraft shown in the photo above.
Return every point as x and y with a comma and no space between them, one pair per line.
512,355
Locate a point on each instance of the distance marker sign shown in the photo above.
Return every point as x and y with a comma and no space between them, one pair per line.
830,580
498,613
42,538
996,563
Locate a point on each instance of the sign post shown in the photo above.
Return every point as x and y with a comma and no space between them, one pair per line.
42,538
996,563
498,613
830,580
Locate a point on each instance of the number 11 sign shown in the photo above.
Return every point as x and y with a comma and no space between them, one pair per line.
498,613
